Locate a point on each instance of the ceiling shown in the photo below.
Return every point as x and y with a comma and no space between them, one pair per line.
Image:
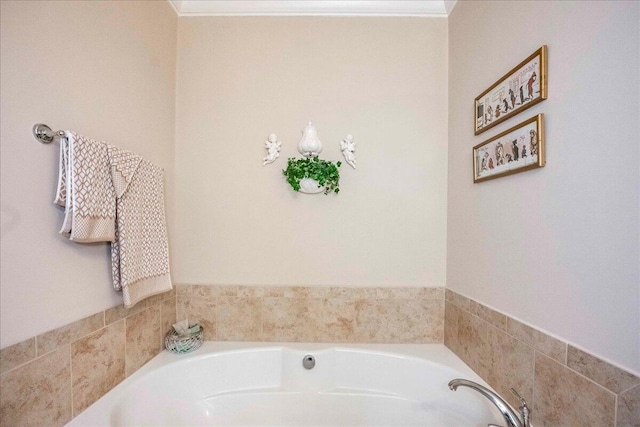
422,8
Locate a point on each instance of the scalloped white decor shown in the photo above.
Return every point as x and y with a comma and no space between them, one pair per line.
310,145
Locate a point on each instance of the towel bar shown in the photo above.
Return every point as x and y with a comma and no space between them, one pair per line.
44,134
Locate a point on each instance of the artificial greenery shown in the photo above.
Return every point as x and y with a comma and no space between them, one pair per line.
323,171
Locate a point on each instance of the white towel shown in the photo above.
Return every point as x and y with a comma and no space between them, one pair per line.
140,251
86,190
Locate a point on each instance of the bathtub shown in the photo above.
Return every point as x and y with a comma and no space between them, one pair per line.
259,384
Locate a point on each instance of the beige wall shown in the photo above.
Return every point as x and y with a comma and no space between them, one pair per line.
104,69
556,247
563,256
384,80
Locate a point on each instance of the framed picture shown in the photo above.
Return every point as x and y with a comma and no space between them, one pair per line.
521,88
515,150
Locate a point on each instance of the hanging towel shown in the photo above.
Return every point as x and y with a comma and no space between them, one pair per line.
85,190
140,250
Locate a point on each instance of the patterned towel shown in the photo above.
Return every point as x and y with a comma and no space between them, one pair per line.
113,195
85,190
140,251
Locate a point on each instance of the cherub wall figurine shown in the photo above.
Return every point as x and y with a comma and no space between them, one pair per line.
348,147
273,147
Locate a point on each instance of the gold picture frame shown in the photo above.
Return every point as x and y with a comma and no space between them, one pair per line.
522,87
515,150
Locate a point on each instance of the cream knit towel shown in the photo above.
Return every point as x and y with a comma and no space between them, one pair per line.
85,190
140,251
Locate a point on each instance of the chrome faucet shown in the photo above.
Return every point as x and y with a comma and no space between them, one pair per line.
510,416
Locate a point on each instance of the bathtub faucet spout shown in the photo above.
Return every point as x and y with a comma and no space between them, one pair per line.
510,416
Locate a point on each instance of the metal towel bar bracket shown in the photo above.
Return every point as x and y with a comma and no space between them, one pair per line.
44,134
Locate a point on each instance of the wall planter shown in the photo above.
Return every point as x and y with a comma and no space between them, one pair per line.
310,174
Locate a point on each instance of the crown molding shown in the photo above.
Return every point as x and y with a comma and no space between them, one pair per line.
419,8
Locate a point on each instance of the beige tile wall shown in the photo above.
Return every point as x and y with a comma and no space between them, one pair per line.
564,385
58,374
315,314
49,379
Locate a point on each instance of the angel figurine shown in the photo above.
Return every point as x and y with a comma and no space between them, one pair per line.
348,147
273,147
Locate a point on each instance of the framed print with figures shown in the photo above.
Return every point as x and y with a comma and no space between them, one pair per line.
522,87
515,150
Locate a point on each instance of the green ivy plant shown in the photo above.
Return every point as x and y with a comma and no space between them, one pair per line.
323,171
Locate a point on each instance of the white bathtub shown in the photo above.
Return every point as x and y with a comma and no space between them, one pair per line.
258,384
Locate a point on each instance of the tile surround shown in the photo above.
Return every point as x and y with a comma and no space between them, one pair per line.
628,411
566,399
564,385
473,342
315,314
239,318
98,362
58,374
143,338
286,319
542,342
511,365
199,303
608,376
39,392
338,319
48,379
53,339
498,320
17,354
168,315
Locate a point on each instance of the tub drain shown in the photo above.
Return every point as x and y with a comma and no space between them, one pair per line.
308,361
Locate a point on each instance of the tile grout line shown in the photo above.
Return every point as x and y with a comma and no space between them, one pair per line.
579,374
124,324
216,302
629,389
506,331
261,331
36,357
583,375
73,415
160,310
21,365
534,388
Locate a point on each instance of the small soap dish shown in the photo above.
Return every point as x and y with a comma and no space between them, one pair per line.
181,344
